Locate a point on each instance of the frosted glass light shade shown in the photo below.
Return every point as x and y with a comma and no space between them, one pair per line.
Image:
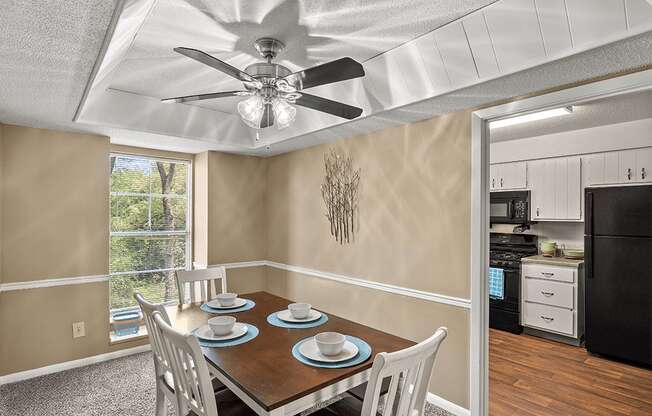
284,113
251,111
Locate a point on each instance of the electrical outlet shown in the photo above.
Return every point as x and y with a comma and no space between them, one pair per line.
78,329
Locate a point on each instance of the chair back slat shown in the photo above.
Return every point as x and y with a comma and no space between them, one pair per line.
409,371
148,309
205,278
192,383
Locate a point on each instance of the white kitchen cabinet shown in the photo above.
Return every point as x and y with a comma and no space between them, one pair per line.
644,164
627,166
552,298
556,189
620,167
508,176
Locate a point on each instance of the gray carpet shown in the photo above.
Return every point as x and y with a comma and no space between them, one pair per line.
121,387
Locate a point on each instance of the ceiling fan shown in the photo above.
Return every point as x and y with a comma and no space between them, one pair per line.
272,88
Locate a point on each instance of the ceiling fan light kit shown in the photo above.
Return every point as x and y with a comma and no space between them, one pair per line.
273,89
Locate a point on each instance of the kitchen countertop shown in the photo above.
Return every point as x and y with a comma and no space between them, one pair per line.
553,261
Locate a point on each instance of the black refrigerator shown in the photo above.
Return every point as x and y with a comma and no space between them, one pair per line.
618,267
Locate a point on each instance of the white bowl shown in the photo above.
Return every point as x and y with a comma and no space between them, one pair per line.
226,299
330,343
300,310
221,325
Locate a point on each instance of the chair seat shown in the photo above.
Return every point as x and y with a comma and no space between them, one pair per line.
359,391
348,406
169,383
228,404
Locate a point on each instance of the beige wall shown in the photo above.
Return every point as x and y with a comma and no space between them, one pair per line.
414,232
230,215
236,223
56,207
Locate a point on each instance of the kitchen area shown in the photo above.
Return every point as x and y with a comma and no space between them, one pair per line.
571,229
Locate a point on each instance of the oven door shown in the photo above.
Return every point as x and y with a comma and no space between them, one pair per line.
505,288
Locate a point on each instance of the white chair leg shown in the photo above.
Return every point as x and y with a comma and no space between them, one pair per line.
161,408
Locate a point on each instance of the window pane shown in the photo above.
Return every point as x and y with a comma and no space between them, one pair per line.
156,287
130,175
147,253
168,214
129,213
169,177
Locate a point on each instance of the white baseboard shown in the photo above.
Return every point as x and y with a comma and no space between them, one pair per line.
55,368
446,405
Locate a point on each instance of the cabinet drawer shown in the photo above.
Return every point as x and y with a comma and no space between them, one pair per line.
542,271
549,293
548,318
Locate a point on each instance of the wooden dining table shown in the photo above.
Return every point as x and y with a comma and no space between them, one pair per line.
264,374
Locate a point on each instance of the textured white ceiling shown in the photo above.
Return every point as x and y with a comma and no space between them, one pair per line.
47,51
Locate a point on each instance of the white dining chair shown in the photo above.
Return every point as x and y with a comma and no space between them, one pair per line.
193,391
408,372
162,370
205,279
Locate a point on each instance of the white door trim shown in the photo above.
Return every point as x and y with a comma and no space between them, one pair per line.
479,249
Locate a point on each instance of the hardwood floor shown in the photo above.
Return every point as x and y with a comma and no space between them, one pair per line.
531,376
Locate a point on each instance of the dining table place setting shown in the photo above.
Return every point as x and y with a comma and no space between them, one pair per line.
297,316
226,303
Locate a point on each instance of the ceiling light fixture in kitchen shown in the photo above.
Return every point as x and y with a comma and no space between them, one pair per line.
526,118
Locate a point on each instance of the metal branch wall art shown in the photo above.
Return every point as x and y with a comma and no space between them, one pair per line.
340,193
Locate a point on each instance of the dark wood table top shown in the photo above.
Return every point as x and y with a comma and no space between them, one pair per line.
264,367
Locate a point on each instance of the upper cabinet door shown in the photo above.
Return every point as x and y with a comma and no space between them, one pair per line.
644,165
594,169
514,175
508,176
627,166
493,177
556,189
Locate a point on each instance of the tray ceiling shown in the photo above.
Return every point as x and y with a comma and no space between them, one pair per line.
411,52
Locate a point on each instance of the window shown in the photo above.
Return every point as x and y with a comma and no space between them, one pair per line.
149,228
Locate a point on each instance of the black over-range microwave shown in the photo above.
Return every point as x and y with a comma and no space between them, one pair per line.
511,207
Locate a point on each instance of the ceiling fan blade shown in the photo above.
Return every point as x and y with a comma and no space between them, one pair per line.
213,62
334,71
208,96
328,106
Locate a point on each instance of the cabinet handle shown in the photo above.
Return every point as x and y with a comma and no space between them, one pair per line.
547,294
547,274
547,318
629,174
643,173
493,182
537,211
501,182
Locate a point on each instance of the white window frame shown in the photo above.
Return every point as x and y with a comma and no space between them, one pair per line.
189,220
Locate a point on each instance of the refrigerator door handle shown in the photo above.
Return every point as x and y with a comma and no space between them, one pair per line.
588,256
589,213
